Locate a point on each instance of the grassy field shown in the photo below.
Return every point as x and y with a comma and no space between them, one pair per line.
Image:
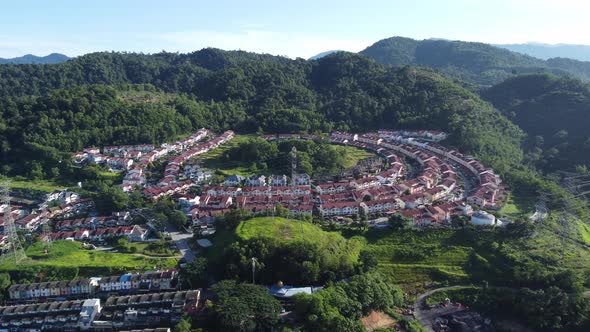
40,185
511,209
409,256
70,254
583,231
214,158
353,155
284,230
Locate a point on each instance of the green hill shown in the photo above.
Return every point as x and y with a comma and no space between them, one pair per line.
286,230
478,63
553,111
61,108
296,252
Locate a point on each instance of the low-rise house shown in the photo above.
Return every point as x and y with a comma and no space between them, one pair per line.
233,180
301,179
137,234
256,181
338,209
278,180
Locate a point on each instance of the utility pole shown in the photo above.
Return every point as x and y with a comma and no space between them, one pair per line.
253,270
15,247
293,175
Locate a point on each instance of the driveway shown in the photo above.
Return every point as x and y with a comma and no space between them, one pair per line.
181,241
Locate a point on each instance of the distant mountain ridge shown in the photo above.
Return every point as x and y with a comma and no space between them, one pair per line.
33,59
478,63
548,51
323,54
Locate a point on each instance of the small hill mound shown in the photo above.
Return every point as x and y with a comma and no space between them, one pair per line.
285,230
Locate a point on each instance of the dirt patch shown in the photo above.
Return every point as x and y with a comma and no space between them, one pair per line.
377,320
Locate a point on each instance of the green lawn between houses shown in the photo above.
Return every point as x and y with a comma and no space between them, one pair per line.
70,254
214,158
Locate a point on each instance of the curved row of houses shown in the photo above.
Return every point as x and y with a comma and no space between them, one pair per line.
388,191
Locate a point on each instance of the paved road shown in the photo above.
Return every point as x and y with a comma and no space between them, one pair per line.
427,317
181,241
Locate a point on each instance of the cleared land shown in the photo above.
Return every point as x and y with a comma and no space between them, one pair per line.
377,320
214,158
409,256
70,254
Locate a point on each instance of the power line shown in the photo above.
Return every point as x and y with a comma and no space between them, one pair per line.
15,247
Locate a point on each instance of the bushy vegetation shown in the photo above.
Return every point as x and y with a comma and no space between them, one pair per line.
554,112
340,306
549,309
243,307
313,157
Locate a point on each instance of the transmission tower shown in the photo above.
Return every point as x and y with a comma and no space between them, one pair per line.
47,235
15,248
293,174
293,165
541,210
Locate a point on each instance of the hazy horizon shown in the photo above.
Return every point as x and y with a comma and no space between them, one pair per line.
294,29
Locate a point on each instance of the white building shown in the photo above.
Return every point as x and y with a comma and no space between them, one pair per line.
483,218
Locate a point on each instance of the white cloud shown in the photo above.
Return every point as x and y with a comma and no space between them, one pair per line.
261,41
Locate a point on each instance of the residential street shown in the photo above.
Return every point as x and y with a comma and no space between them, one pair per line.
181,240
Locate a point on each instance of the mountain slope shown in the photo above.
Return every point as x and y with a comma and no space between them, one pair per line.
554,112
477,63
33,59
241,91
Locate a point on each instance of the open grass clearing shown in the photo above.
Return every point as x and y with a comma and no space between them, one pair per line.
71,254
38,185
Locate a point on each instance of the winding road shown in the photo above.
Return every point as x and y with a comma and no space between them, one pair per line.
427,317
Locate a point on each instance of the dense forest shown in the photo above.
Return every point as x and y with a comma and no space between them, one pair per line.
51,109
554,112
477,63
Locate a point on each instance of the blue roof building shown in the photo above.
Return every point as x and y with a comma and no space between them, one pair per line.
286,292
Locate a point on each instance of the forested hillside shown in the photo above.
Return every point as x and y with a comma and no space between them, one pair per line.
478,63
238,90
555,112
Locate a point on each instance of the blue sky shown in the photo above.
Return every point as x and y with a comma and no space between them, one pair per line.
292,28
